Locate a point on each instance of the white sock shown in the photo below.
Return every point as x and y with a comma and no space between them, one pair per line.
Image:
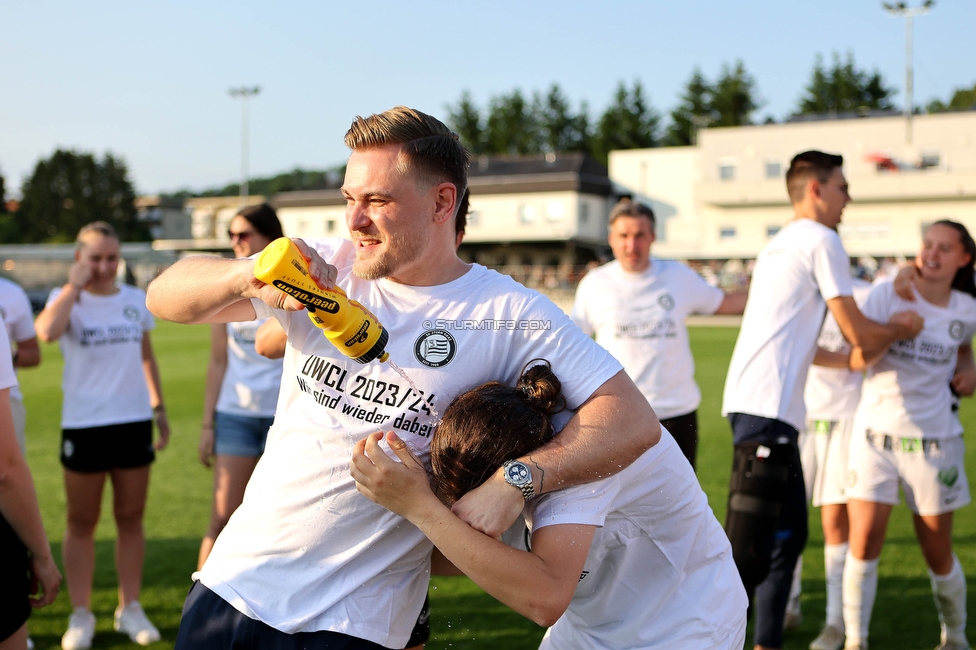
950,601
834,556
860,588
793,604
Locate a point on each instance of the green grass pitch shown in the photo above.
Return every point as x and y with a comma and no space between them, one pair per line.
462,615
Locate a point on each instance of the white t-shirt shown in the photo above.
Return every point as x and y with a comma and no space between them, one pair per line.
640,319
833,393
103,381
660,572
907,392
18,319
8,378
251,381
305,551
801,267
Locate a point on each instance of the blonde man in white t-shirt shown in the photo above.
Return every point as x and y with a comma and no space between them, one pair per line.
306,559
803,267
636,307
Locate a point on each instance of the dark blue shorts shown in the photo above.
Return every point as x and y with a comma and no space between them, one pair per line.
210,623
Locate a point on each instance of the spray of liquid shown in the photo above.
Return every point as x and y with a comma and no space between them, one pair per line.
406,378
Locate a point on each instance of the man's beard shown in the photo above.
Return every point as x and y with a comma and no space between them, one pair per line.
400,250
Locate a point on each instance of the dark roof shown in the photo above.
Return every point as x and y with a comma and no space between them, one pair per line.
555,172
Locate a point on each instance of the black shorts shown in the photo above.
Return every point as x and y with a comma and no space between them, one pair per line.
114,446
14,581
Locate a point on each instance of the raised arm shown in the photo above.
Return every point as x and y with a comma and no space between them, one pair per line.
873,338
608,432
733,303
207,289
537,584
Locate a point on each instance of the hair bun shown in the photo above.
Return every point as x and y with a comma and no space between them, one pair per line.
541,387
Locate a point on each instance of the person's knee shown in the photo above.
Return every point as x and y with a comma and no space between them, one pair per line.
128,518
757,490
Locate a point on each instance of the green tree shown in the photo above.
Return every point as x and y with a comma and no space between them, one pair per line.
563,130
465,120
70,189
963,99
843,88
512,125
693,113
734,97
9,228
630,122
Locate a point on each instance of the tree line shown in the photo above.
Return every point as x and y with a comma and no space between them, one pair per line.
70,189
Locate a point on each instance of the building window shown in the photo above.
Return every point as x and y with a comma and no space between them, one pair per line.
929,159
774,170
555,210
527,213
330,225
726,232
772,230
726,172
584,214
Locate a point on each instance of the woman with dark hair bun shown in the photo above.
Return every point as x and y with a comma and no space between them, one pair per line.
636,560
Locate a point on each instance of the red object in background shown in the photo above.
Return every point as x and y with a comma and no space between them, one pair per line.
886,163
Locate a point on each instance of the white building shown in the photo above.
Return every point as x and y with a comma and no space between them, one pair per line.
725,197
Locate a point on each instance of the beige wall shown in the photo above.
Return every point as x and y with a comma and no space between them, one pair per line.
885,218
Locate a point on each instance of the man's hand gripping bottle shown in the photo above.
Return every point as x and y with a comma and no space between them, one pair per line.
351,328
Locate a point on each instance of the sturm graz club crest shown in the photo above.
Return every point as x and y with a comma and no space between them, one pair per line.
131,313
435,348
666,301
956,330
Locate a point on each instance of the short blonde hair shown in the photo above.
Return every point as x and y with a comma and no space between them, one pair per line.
95,228
627,207
427,145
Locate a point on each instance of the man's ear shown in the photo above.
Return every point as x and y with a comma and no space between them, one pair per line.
445,202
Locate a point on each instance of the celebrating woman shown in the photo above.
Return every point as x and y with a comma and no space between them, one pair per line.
905,434
112,394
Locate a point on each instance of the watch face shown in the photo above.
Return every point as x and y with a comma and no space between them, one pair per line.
517,473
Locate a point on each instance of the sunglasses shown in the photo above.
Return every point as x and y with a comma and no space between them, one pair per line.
243,236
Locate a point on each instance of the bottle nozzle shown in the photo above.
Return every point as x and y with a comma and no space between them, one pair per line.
383,357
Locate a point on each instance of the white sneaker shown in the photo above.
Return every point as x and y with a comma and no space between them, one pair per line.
951,645
81,630
132,621
30,644
831,638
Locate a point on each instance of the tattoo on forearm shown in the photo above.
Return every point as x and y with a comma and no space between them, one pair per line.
542,474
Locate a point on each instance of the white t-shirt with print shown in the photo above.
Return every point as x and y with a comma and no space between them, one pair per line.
660,572
801,267
251,381
907,392
640,319
103,381
18,319
833,393
305,551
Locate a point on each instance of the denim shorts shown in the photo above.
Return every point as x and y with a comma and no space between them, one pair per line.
240,435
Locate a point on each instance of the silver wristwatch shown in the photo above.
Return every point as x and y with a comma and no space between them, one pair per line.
517,474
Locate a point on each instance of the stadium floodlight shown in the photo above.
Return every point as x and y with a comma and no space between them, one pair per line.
244,94
902,9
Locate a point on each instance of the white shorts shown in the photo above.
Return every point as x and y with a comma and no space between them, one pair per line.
931,471
823,454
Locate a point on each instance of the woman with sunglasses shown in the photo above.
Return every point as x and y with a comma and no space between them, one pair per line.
241,390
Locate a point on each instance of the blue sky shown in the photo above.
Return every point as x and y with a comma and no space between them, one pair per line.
148,81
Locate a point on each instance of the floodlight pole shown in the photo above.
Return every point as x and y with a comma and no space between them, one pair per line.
902,9
244,94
